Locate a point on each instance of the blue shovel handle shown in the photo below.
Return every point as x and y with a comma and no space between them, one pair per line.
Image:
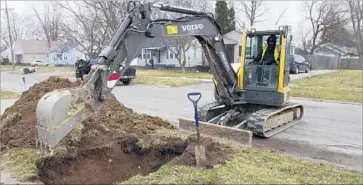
195,103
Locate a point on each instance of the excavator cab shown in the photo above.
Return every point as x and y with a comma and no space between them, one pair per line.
263,77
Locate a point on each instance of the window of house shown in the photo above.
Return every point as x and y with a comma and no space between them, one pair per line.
65,57
59,56
143,54
148,54
171,54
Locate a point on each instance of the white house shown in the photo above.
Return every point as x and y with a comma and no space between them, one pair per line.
25,51
233,42
164,56
66,54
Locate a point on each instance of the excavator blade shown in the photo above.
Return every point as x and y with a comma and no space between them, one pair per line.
217,131
57,113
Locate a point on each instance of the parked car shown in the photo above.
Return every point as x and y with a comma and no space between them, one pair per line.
298,64
85,67
37,63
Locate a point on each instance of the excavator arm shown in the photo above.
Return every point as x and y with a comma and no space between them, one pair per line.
60,111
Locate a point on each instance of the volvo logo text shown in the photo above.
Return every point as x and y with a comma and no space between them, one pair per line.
192,27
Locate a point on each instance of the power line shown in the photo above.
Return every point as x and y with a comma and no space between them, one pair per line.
10,36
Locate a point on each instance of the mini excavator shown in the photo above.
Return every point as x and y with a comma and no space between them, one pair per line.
253,98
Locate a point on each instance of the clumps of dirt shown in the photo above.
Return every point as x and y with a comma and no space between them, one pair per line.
19,131
110,146
216,153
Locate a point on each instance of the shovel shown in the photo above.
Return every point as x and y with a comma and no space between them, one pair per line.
199,149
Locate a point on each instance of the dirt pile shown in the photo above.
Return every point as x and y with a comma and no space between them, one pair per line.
18,121
110,146
216,153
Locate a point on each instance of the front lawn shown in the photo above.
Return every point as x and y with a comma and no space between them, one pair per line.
344,85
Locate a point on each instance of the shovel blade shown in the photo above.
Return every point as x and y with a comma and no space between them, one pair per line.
223,132
200,156
57,113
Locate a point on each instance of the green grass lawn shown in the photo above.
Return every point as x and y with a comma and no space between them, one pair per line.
252,166
173,73
172,82
249,166
21,163
8,94
344,85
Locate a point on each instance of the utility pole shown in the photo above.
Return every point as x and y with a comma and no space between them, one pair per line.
10,37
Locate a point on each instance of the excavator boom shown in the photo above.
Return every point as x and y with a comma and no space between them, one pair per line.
60,111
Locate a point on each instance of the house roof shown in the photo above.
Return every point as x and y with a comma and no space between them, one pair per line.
32,46
229,41
154,43
233,37
342,50
63,47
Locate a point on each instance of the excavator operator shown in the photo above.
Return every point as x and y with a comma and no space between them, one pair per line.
270,52
269,55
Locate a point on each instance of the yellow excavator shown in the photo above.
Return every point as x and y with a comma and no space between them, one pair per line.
260,104
254,99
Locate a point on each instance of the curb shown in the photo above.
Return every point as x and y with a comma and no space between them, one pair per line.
329,101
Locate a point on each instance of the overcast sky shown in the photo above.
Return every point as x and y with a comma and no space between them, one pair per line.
293,16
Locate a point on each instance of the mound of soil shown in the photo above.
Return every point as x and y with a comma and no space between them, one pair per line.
19,130
110,146
216,153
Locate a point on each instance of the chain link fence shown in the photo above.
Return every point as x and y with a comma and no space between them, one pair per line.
323,62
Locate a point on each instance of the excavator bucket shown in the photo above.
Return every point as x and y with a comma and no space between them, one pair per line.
58,112
217,131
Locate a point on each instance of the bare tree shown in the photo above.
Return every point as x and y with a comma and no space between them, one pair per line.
179,47
302,37
281,14
254,10
88,30
94,23
323,15
20,28
49,21
356,16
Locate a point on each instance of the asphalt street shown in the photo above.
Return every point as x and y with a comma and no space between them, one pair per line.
329,131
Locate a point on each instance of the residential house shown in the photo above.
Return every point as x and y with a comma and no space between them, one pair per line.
25,51
335,50
233,43
66,54
164,56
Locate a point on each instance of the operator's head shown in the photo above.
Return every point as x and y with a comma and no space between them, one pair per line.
271,40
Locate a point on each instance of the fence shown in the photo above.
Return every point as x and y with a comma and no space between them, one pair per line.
320,62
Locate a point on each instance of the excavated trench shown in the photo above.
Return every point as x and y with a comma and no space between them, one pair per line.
111,146
108,164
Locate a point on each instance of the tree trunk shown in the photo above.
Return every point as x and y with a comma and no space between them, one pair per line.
183,69
184,58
